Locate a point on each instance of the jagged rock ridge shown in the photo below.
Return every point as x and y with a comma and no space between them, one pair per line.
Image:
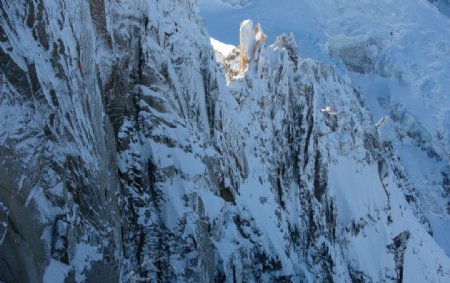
128,155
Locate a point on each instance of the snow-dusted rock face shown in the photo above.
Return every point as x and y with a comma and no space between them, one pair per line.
393,52
127,155
58,177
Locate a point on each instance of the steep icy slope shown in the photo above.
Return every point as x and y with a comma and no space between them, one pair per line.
129,155
393,51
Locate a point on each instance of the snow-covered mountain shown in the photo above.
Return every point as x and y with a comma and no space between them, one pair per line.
394,53
132,150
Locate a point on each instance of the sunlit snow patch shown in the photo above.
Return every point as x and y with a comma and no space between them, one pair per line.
329,110
222,48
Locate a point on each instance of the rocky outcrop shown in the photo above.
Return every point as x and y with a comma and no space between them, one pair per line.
251,38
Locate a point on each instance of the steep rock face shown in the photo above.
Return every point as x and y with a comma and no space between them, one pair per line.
165,129
59,185
128,156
